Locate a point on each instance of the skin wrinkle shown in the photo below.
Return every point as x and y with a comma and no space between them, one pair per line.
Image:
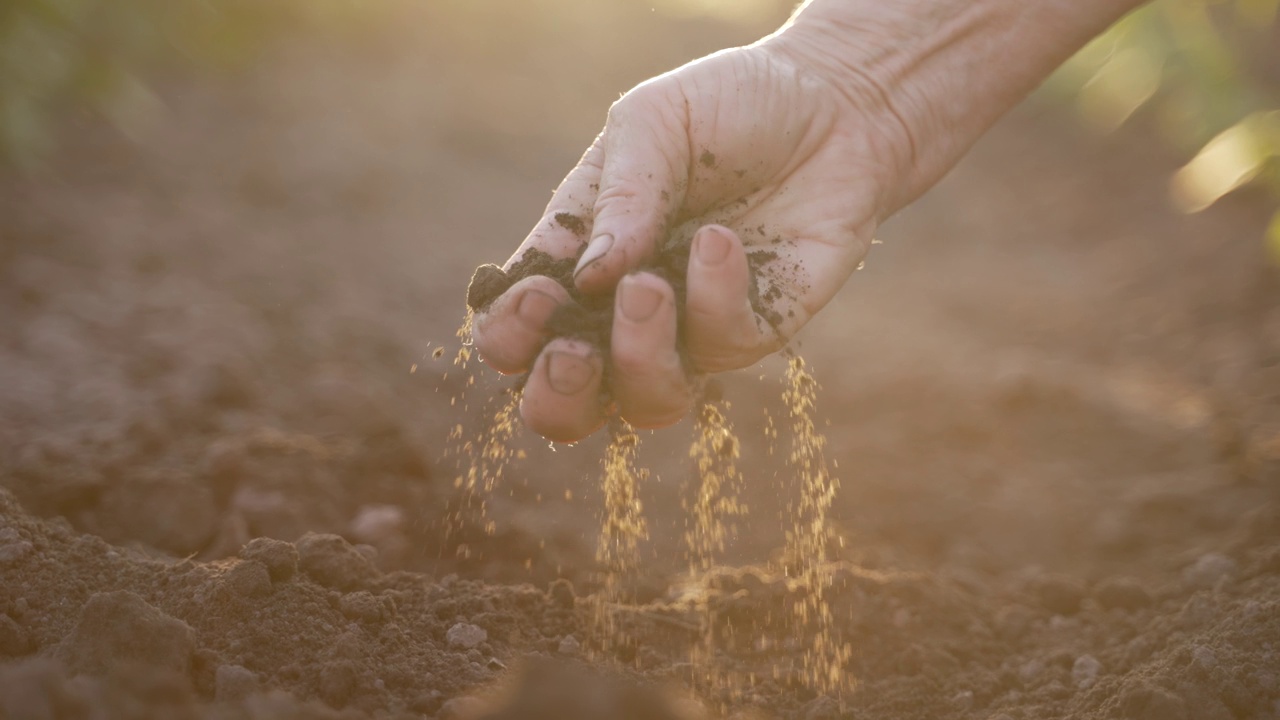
625,113
859,101
800,158
944,62
690,166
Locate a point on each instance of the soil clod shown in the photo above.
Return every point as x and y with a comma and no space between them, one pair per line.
573,223
120,628
279,557
333,562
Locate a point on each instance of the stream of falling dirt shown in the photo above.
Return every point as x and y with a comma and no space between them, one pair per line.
824,660
485,460
714,452
482,459
621,531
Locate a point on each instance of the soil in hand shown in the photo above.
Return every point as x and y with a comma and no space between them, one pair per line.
590,317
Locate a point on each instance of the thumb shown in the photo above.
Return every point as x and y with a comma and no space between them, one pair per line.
642,183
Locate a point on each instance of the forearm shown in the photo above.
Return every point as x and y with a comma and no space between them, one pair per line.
942,71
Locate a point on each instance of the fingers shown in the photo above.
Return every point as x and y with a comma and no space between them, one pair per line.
511,332
561,398
646,152
647,376
723,330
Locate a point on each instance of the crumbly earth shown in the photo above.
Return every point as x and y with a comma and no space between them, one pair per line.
227,473
590,317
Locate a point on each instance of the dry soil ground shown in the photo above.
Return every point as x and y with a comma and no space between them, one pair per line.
1054,405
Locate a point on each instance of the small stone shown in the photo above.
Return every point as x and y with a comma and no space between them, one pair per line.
1204,657
280,558
569,646
332,562
249,578
561,594
822,707
1085,671
1121,594
233,683
1207,571
13,639
465,635
118,628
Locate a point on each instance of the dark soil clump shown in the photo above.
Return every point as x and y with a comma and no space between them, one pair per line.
573,223
590,317
489,280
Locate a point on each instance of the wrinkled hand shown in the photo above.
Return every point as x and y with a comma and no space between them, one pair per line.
749,146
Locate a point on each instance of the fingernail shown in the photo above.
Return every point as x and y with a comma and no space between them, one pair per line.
595,250
638,301
712,246
568,373
536,307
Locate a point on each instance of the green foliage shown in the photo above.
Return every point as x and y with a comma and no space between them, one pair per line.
58,55
1203,72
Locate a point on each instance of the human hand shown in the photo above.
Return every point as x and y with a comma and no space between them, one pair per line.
751,152
779,159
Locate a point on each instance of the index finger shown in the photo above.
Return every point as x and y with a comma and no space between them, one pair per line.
565,225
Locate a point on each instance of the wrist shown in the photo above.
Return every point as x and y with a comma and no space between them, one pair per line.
934,75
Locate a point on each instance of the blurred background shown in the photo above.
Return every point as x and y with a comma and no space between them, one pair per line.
1205,70
233,234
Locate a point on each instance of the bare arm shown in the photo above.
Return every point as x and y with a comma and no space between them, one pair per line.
941,72
816,133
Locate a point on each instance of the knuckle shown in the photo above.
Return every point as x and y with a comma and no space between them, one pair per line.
639,100
620,191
